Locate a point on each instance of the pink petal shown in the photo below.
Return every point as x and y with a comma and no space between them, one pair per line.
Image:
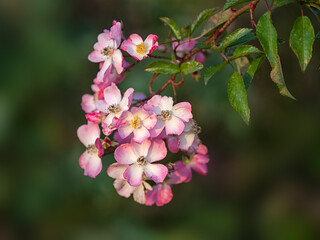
127,99
117,138
151,196
124,154
88,134
157,172
131,48
96,57
94,117
102,106
133,175
164,195
104,68
139,195
117,60
150,121
166,103
104,38
141,149
154,132
202,149
181,174
201,159
116,170
87,103
186,140
200,57
116,32
183,111
91,163
123,188
199,168
154,104
151,43
173,144
112,94
174,126
125,130
140,134
135,38
157,151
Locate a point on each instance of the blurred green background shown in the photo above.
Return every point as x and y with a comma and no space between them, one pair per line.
263,180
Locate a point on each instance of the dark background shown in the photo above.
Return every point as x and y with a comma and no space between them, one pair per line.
263,179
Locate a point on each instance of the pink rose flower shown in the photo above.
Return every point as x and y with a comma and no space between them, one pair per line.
140,158
138,48
90,160
160,195
171,117
137,121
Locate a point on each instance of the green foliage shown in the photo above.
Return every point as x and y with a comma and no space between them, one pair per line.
211,71
277,77
244,50
279,3
238,96
190,67
234,36
172,26
232,3
253,67
318,35
267,36
204,15
246,38
302,39
216,21
164,67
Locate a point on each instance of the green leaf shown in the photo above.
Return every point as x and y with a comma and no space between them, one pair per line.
238,96
267,36
318,35
211,71
202,46
277,77
279,3
216,21
234,36
253,67
244,50
204,15
231,3
190,67
249,37
162,67
301,40
173,27
186,32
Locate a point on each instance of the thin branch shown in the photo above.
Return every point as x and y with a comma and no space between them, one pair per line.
267,5
159,57
151,82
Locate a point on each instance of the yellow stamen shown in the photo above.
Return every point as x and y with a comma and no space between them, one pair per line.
141,48
135,123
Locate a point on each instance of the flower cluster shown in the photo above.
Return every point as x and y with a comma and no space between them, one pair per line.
138,129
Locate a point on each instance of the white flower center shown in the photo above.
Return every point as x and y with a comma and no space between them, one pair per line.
135,123
114,108
165,114
107,51
141,48
196,128
92,149
142,161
